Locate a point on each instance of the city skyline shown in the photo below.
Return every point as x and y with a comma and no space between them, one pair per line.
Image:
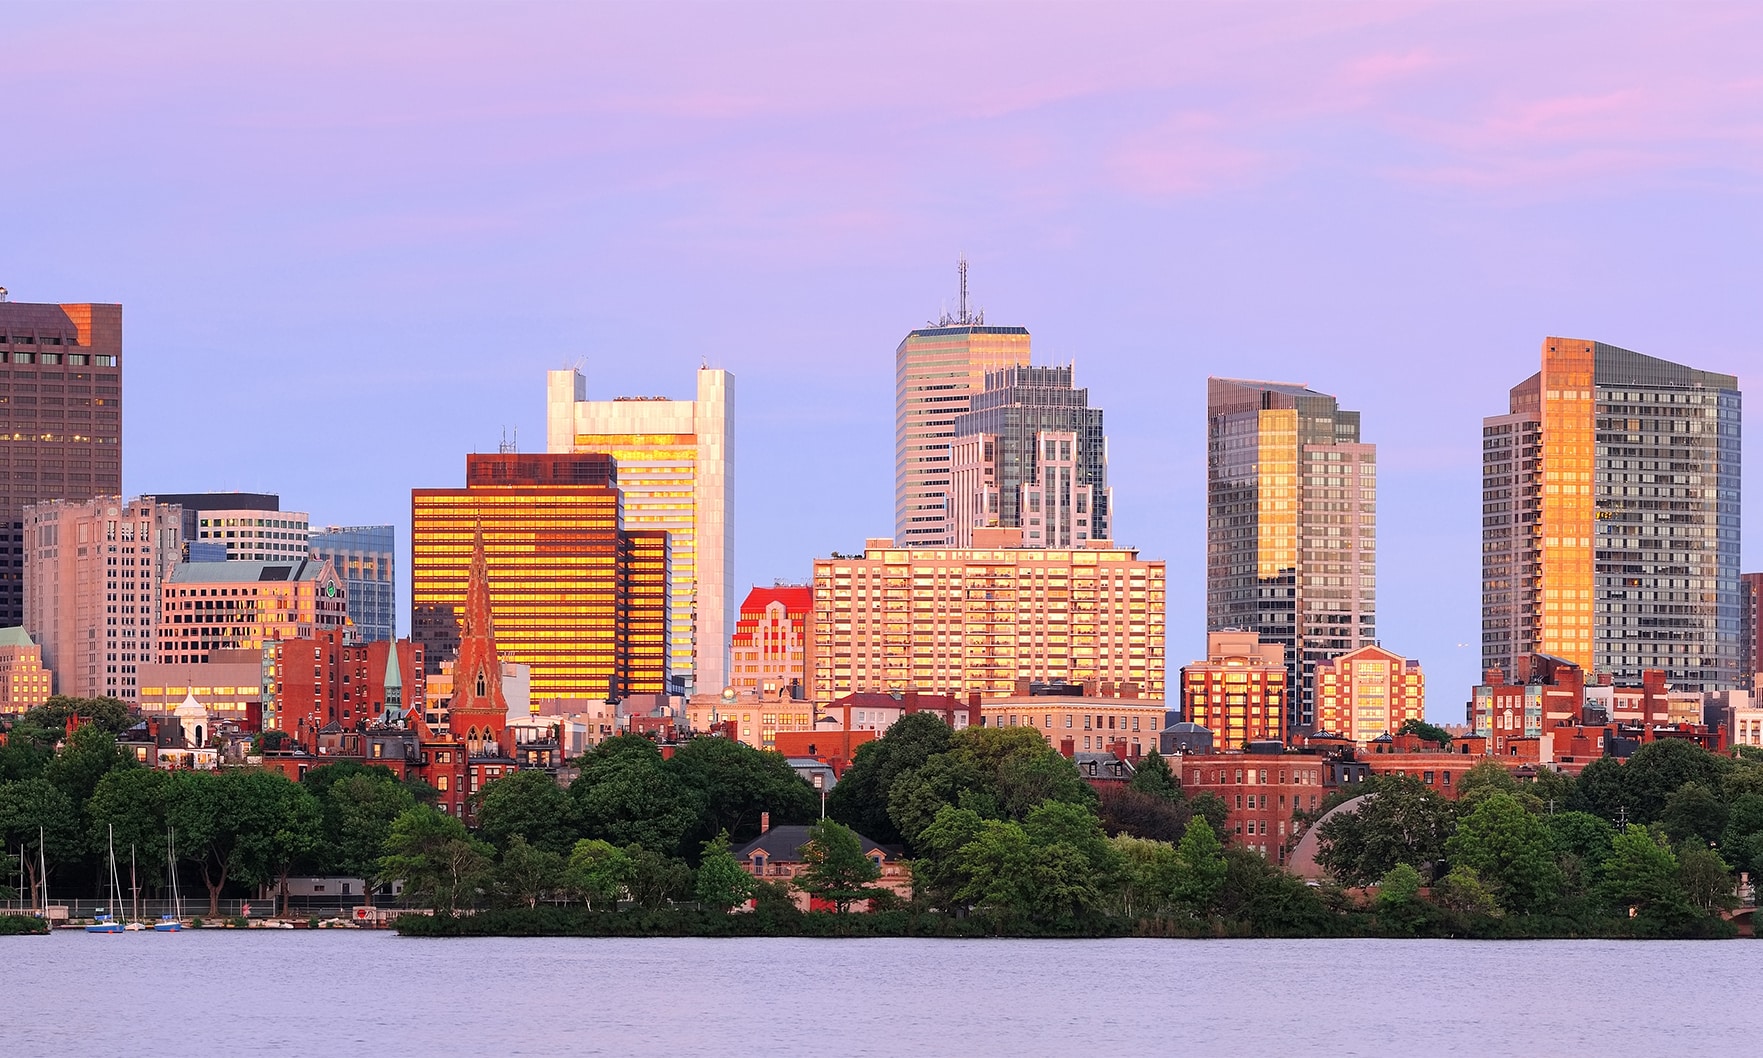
1413,235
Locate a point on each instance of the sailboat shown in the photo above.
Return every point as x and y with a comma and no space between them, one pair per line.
104,921
174,922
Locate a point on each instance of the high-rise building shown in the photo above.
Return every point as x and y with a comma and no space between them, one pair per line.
977,620
362,556
239,526
1291,525
1610,518
60,416
1369,692
1030,454
581,600
676,474
92,574
937,372
1240,692
209,607
1751,631
768,653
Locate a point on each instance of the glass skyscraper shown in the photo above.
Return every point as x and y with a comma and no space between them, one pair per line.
1610,518
362,556
1291,525
1030,440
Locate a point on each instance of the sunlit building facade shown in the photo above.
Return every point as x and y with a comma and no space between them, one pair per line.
937,372
60,420
1240,692
579,599
93,570
977,620
1291,525
239,526
210,607
769,650
1369,692
676,475
24,682
1610,518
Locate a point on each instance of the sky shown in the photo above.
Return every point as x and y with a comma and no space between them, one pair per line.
350,239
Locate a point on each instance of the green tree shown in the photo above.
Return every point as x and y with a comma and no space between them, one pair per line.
1398,889
1641,874
530,804
861,798
294,831
1203,868
627,796
1510,848
240,826
1211,807
359,805
1153,776
736,784
134,802
598,871
106,714
1461,890
1636,791
656,879
440,865
1016,885
1694,812
1148,876
1582,844
1705,878
1742,840
526,873
89,754
1400,821
1487,777
37,807
721,882
834,868
937,872
917,797
1423,730
1123,810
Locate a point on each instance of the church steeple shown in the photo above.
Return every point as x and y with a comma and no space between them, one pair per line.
479,713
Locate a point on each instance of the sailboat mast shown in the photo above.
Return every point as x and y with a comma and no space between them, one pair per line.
43,871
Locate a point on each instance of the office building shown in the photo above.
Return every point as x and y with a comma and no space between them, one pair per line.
769,650
362,556
326,679
937,371
246,605
1030,454
1751,631
676,474
60,420
228,684
1291,525
580,599
1241,691
24,682
1368,692
239,527
976,620
1610,524
1076,719
92,574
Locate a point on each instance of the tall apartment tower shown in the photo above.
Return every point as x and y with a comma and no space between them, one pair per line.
1291,525
1610,518
937,372
93,571
1751,631
1030,454
60,416
239,527
362,556
676,473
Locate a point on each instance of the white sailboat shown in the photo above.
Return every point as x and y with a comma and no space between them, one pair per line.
174,922
104,921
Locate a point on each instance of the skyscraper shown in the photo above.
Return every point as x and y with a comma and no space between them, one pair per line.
1030,454
93,571
1291,525
937,371
580,600
61,418
1610,518
676,473
362,556
239,526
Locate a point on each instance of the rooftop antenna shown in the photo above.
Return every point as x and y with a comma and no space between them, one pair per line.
964,316
961,266
509,445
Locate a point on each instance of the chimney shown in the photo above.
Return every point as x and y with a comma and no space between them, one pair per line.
764,822
1118,749
1068,747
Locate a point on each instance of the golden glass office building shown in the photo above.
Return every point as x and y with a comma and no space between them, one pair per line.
574,595
1610,518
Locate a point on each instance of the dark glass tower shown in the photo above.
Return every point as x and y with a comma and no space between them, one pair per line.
1017,407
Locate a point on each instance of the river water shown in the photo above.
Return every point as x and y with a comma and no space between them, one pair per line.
257,993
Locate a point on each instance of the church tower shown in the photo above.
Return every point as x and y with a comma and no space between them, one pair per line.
479,713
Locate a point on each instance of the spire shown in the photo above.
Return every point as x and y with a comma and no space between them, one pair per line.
478,711
478,622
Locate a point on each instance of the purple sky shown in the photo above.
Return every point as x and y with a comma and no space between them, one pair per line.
351,239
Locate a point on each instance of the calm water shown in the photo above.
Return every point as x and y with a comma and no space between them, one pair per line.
358,993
